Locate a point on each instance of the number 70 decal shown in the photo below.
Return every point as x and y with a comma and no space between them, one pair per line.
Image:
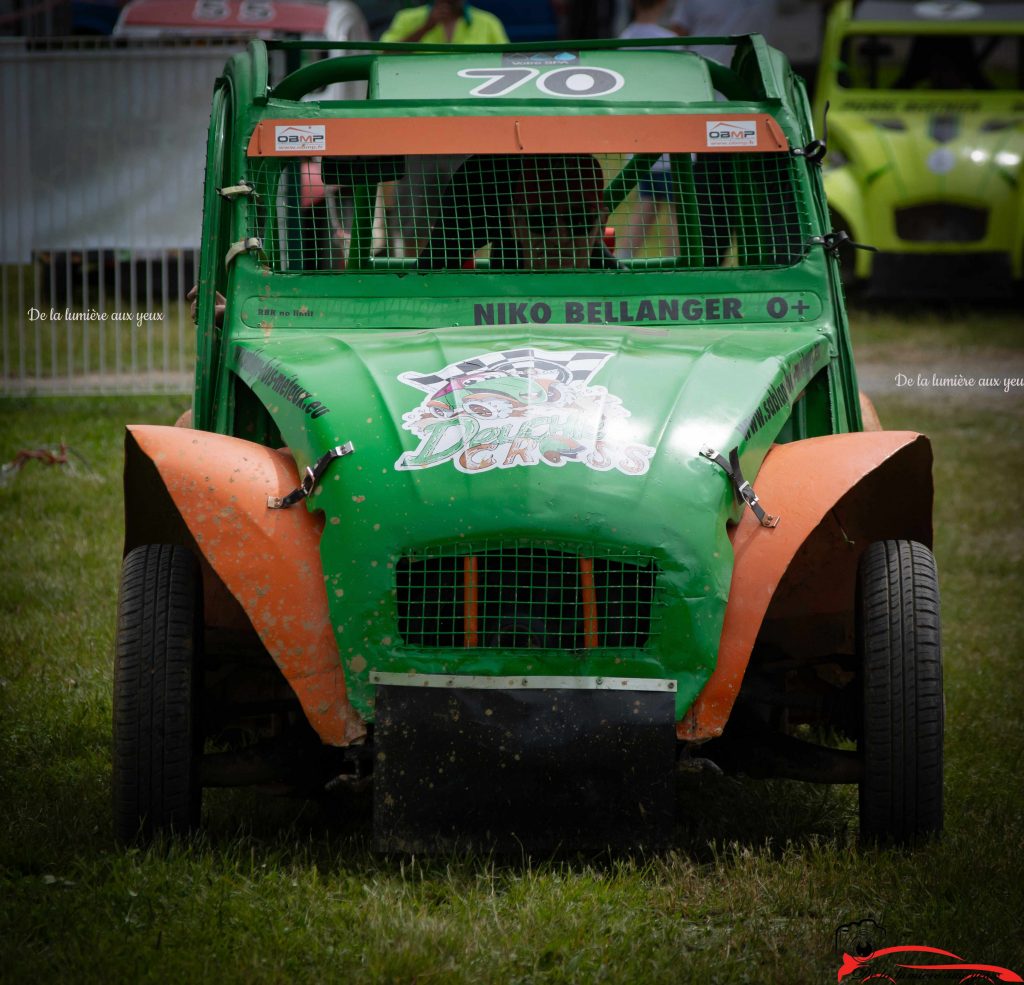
573,83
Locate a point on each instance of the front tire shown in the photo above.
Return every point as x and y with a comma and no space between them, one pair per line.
157,727
899,645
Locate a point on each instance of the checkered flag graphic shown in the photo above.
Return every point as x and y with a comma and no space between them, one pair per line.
567,367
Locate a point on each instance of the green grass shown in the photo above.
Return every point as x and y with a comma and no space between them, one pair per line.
948,327
759,874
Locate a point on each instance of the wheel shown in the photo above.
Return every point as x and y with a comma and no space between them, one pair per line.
157,727
899,647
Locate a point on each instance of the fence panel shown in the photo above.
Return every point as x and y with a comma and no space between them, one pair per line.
102,155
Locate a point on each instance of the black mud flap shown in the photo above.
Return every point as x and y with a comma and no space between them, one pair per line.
522,770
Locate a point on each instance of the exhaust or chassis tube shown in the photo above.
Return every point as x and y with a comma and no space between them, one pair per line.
509,765
763,754
297,762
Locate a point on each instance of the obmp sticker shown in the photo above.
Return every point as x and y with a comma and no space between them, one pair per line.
312,137
732,133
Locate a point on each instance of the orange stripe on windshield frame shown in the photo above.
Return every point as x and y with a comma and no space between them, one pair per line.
664,133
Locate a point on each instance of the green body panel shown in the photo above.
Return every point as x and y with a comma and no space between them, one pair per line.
664,75
680,359
682,389
898,148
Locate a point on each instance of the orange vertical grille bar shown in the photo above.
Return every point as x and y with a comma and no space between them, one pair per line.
471,600
589,603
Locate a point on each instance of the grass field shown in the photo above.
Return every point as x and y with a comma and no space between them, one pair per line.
759,876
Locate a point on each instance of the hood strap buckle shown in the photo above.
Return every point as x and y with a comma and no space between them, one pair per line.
243,187
310,478
834,240
744,490
252,245
815,151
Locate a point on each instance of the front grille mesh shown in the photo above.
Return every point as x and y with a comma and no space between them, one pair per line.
526,598
940,222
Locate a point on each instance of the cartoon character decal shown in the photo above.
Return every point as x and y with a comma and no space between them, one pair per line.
499,410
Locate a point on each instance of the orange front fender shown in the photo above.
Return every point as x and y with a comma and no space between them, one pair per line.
835,494
210,491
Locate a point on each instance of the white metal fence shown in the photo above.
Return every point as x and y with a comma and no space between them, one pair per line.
101,158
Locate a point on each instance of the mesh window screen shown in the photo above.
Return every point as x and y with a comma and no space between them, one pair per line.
531,213
526,597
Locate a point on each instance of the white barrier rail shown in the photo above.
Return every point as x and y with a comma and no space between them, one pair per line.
101,157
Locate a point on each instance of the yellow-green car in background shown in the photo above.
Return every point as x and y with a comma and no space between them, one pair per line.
926,137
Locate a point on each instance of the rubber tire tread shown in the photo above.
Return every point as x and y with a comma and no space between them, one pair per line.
157,732
899,642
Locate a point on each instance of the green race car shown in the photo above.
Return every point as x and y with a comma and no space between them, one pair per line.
926,135
466,505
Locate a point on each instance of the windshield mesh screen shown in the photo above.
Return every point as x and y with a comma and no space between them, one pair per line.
525,598
552,212
933,62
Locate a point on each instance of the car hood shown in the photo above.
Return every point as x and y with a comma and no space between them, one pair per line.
583,440
934,152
